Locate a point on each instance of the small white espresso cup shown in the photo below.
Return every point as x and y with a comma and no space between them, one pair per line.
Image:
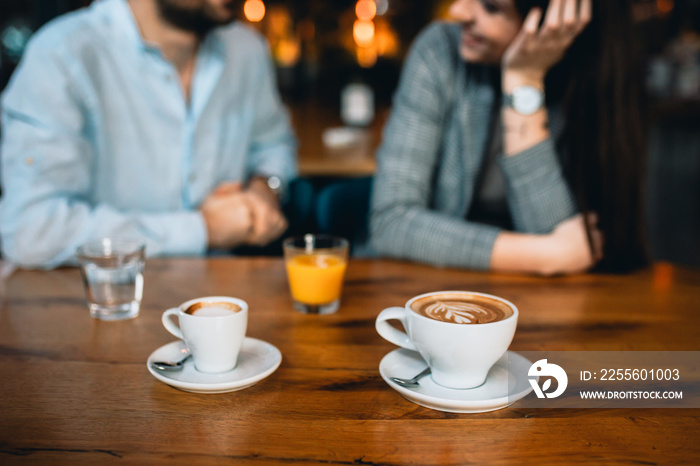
460,355
213,329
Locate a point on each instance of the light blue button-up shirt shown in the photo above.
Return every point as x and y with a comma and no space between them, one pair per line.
98,138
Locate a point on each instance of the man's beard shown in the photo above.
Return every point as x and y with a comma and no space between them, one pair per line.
199,19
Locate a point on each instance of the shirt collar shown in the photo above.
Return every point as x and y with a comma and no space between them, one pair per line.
124,20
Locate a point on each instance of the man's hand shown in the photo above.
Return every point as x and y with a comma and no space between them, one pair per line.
228,216
268,221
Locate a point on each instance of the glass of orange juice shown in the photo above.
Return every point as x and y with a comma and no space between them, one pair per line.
316,267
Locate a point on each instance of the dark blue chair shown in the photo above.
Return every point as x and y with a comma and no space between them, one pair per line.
342,209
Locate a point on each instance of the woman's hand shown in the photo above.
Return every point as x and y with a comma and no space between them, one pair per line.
567,248
536,49
563,251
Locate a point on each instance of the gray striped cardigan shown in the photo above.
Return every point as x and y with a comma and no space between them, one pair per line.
430,157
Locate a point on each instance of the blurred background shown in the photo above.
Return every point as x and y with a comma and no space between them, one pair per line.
338,63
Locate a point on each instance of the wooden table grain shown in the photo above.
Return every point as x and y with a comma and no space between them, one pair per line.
318,160
77,391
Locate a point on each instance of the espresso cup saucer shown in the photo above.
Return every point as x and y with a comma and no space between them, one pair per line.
257,360
495,393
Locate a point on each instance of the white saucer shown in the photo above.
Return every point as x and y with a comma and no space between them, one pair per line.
494,394
257,360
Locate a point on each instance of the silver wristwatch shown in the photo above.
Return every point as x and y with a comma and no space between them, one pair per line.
275,185
525,100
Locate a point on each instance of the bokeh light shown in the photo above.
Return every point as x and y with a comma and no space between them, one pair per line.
366,56
254,10
382,6
288,52
386,39
363,32
366,10
664,6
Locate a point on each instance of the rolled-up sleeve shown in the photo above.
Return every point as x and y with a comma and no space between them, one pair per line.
47,174
402,223
273,145
539,197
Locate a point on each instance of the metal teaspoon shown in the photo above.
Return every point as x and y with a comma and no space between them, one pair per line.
413,381
170,366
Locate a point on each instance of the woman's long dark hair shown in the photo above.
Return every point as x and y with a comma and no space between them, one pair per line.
599,84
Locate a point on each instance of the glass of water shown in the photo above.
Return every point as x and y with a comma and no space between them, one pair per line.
112,272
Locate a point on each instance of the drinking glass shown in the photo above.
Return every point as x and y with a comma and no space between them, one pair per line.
315,268
112,272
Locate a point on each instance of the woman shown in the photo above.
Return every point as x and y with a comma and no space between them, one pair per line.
516,142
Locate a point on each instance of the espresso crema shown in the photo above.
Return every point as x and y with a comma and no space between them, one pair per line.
462,308
212,309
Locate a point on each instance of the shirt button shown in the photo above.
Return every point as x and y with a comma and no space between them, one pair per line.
192,178
29,161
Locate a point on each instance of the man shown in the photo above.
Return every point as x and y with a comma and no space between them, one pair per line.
149,119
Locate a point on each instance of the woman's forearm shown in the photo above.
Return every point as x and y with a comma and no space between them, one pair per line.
520,253
565,250
520,132
538,194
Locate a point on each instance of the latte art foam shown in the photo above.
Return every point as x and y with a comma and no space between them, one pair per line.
462,310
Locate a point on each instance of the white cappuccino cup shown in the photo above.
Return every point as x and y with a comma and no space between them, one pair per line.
460,334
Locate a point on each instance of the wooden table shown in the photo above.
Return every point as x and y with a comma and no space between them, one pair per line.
76,390
318,160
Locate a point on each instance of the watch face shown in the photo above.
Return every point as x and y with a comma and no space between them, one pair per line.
274,183
527,99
